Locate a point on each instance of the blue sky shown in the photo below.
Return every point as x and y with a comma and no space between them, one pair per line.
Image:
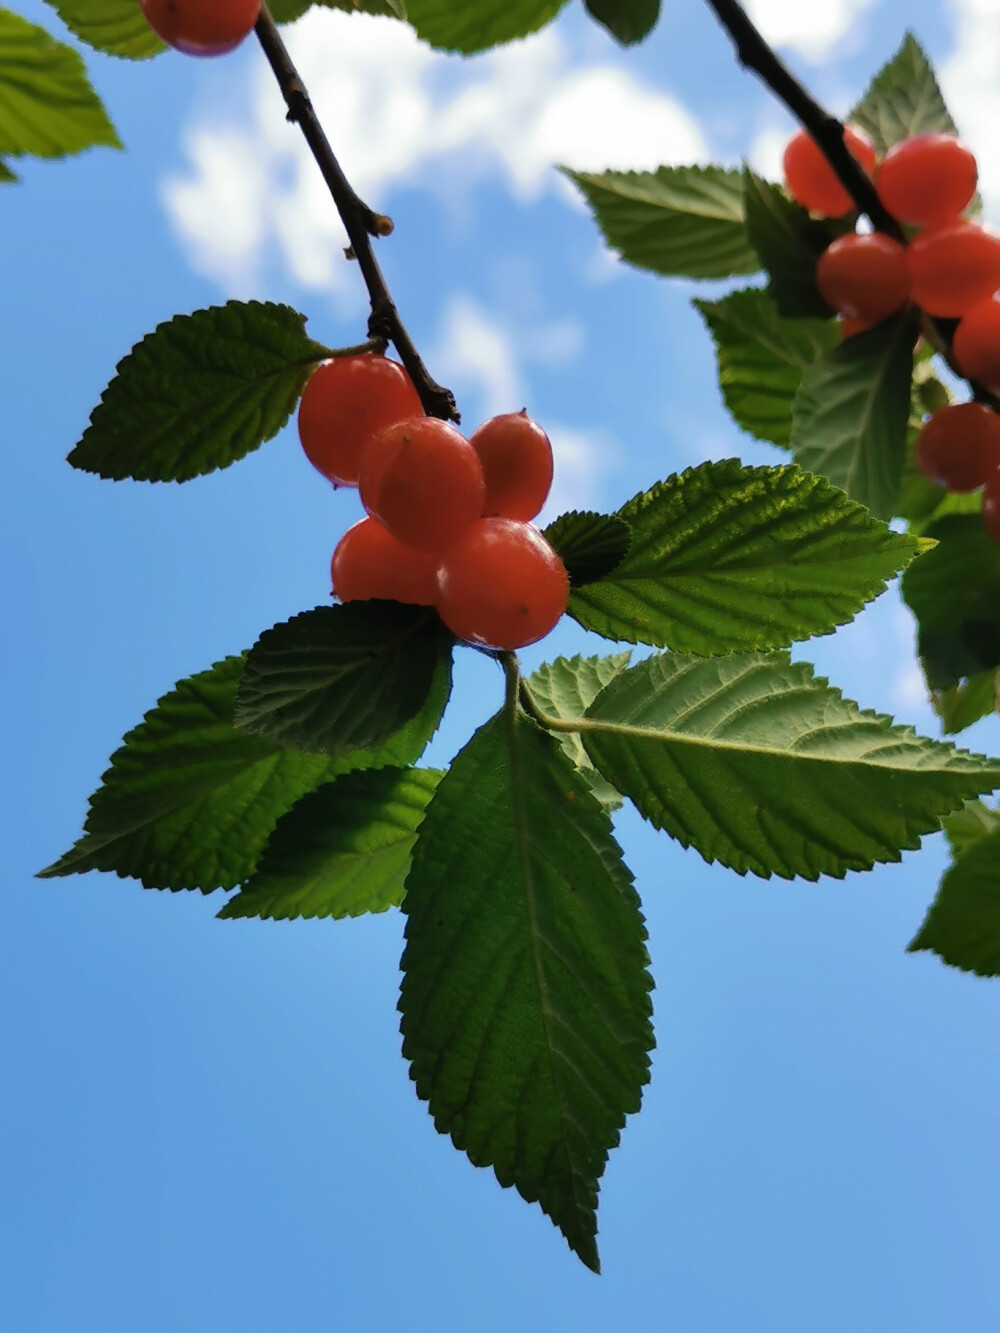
208,1124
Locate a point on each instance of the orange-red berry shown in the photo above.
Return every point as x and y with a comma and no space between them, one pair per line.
959,446
348,401
201,27
810,179
976,343
517,465
928,179
953,267
850,326
501,584
864,276
424,481
370,562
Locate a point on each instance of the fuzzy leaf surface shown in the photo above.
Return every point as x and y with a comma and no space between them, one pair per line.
788,242
677,221
628,21
47,105
903,99
565,688
851,414
762,358
758,764
589,545
525,996
341,678
963,924
954,592
199,392
476,25
725,557
342,850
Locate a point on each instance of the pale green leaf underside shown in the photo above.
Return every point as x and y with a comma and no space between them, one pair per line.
475,25
525,996
47,105
963,924
116,27
676,221
199,392
565,688
762,358
903,100
762,766
725,557
343,850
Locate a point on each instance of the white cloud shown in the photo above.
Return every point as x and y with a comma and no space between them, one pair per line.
399,115
811,30
970,80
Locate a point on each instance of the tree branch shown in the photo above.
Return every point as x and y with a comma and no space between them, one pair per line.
360,222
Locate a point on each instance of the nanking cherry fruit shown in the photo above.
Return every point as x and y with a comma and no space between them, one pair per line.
959,446
928,179
976,343
501,584
517,465
424,481
953,267
810,179
201,27
864,276
370,562
348,401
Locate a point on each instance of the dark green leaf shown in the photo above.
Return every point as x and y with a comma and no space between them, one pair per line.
954,592
762,358
762,766
565,688
962,705
628,21
342,850
199,392
788,242
525,996
973,822
47,105
903,100
6,175
115,26
963,924
589,545
338,678
725,557
851,415
678,221
475,25
285,11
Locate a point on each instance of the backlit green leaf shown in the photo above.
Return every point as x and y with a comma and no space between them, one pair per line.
963,924
788,242
114,26
903,100
962,705
475,25
589,545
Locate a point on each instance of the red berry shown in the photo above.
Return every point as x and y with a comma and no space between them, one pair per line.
864,277
953,267
976,344
928,179
517,465
424,481
346,403
370,562
959,446
851,327
201,27
810,179
991,507
501,584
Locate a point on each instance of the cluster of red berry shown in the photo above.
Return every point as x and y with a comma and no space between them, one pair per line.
200,29
950,268
448,518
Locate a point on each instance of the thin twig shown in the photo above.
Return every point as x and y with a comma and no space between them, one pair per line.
360,222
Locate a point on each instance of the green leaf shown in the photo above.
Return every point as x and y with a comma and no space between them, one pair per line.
589,545
565,688
200,392
189,802
954,592
973,822
960,706
677,221
47,105
342,850
114,26
788,242
525,996
628,21
963,924
762,766
725,557
338,678
7,176
285,11
476,25
903,100
762,358
851,414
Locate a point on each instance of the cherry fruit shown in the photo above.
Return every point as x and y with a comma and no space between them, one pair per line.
517,465
370,562
928,179
348,401
864,276
976,343
953,267
810,179
201,27
959,446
